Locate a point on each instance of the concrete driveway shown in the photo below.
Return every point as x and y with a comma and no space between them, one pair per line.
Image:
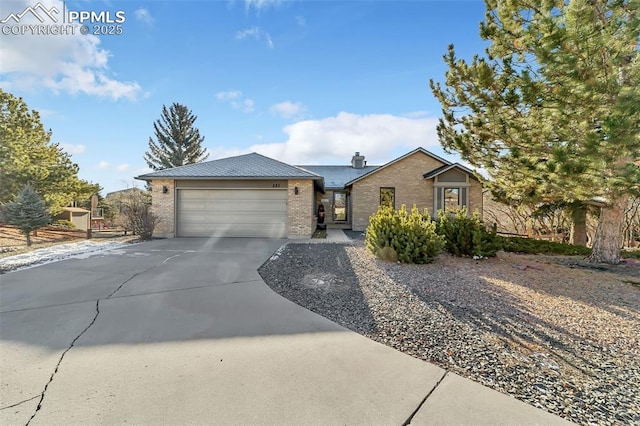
184,331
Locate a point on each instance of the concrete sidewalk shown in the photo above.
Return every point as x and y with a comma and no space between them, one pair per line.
333,236
186,332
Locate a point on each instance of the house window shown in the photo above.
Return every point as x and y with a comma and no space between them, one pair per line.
450,199
388,197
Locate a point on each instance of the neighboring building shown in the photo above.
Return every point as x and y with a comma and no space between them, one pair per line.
81,218
253,195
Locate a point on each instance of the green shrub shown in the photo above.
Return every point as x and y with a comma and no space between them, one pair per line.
630,253
319,233
63,223
532,246
467,235
406,237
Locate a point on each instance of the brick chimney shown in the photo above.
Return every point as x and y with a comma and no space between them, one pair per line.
357,161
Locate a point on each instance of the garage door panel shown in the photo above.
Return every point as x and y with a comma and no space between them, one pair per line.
231,219
236,206
275,230
232,213
238,194
251,206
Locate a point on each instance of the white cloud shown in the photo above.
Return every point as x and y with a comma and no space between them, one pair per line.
46,113
103,165
288,109
259,5
228,95
144,16
255,33
235,99
70,63
122,167
249,32
333,140
142,171
73,149
417,114
248,105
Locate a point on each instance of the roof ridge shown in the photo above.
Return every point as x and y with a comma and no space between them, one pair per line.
286,164
247,165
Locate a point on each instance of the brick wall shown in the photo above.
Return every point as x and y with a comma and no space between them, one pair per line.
300,209
163,205
475,197
406,176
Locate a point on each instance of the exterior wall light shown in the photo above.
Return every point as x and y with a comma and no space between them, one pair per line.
165,189
296,190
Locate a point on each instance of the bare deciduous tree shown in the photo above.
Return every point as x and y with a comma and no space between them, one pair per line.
136,214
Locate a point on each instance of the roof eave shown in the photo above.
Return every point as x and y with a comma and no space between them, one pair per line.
148,177
402,157
431,175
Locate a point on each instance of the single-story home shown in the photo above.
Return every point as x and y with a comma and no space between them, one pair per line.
256,196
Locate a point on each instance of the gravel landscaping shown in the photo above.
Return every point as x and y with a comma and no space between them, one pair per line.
543,329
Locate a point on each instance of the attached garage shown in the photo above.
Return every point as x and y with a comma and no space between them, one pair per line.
232,213
248,195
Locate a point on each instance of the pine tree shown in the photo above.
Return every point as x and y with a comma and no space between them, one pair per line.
177,142
552,111
28,212
27,156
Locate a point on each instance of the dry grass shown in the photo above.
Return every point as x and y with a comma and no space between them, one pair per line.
13,242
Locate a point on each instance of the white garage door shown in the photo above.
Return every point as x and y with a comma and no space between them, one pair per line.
232,213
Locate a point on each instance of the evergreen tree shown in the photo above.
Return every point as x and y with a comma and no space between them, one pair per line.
28,212
552,111
177,142
27,156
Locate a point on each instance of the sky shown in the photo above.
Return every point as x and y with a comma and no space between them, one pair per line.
304,82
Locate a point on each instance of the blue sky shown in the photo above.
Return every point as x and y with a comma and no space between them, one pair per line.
306,82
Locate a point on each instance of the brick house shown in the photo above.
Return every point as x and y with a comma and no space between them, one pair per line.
255,196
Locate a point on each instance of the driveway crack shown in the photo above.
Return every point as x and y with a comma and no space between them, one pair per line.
73,342
19,403
142,272
408,421
95,317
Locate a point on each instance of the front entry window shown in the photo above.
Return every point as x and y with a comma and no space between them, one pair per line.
339,206
451,199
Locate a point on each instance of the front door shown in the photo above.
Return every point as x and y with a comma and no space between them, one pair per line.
340,206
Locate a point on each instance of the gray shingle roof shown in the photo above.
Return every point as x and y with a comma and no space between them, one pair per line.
335,177
248,166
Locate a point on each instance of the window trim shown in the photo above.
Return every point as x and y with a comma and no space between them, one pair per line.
393,189
439,200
